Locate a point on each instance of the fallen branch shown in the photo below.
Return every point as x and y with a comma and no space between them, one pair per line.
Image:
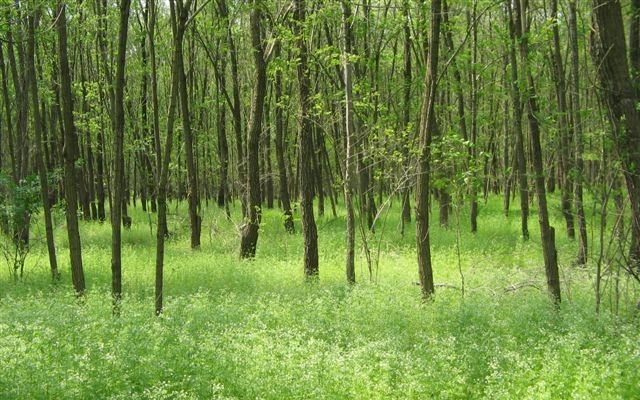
521,285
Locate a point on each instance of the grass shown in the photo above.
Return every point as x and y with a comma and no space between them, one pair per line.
237,329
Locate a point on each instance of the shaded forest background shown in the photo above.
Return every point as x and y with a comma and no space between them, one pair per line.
322,108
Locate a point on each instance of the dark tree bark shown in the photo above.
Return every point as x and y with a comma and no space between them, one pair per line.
547,233
280,150
90,170
150,27
21,144
235,109
406,115
249,237
350,145
118,153
180,16
634,44
506,163
576,125
223,148
566,165
8,119
427,131
37,127
70,150
444,198
146,168
163,163
309,230
473,150
521,162
267,169
610,57
101,177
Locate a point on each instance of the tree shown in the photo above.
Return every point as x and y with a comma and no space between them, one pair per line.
249,234
521,162
280,148
566,165
547,232
71,172
350,138
428,127
406,109
309,229
610,58
576,125
163,167
180,17
37,127
118,144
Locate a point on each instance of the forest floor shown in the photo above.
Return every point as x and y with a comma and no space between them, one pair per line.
236,329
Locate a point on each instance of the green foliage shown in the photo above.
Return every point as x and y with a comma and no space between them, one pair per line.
18,202
238,330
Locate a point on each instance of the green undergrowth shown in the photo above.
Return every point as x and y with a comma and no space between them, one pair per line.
237,329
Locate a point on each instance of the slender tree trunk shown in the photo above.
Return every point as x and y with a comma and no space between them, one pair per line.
473,150
180,15
563,125
521,163
8,120
70,150
37,127
21,144
236,108
547,232
249,233
118,149
223,149
427,131
92,213
280,150
507,173
309,230
406,116
151,23
268,168
576,124
349,158
163,173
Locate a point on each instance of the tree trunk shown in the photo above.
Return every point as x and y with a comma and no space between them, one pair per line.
70,150
547,232
118,154
309,230
37,127
576,124
521,162
180,15
563,125
427,131
280,150
163,164
473,150
249,233
349,158
223,149
609,52
235,109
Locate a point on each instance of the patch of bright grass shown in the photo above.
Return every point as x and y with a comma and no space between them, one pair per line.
237,329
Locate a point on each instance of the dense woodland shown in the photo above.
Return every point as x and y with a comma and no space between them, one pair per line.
223,149
315,107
